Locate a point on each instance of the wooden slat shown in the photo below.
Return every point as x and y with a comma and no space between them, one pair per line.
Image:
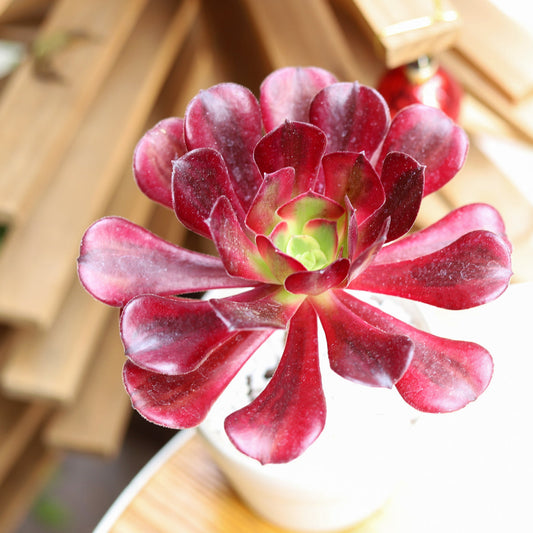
90,171
504,60
302,33
404,31
19,423
95,422
23,484
519,114
38,115
15,10
50,364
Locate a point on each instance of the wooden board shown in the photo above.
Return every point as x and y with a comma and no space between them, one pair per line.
96,422
89,172
519,115
404,31
505,60
16,10
50,364
41,114
19,424
21,487
302,33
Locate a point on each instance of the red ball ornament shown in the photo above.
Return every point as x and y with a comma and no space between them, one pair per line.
421,82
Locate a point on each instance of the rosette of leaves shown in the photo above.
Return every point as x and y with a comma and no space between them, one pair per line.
308,192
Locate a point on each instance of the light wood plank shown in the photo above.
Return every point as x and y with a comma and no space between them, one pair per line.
23,484
19,424
302,33
50,364
404,31
90,172
42,114
96,422
15,10
519,114
502,60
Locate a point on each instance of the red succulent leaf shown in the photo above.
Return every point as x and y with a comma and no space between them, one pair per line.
170,335
227,118
200,178
183,401
318,281
293,144
268,307
288,416
352,175
287,93
444,374
470,271
403,181
361,258
280,263
430,137
275,190
153,156
238,253
462,220
355,118
120,260
359,351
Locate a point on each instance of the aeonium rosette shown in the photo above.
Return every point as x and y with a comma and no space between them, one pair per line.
307,193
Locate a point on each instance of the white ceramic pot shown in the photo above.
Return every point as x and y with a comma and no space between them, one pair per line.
344,477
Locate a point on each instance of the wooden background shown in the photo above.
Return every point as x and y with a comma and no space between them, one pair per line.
98,73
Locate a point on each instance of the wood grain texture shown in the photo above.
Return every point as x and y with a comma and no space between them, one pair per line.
404,31
497,47
50,364
37,259
19,424
41,114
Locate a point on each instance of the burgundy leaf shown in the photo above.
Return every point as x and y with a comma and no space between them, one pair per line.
288,416
349,174
260,308
287,93
430,137
293,144
170,335
227,118
403,181
470,271
183,401
238,253
275,190
153,156
462,220
318,281
200,177
444,374
359,351
119,260
355,118
362,257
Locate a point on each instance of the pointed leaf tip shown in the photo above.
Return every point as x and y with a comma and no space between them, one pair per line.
289,415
